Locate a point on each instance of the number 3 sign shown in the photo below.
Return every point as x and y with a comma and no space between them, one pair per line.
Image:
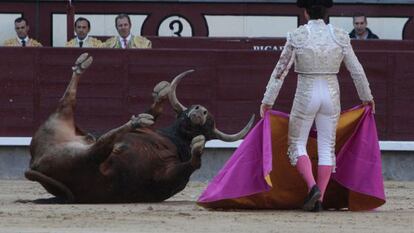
175,26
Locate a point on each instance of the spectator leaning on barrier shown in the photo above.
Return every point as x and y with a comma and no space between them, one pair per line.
125,39
361,31
21,26
82,39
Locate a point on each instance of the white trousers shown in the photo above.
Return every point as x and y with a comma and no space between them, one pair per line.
316,100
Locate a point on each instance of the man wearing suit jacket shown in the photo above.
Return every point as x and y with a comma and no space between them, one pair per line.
125,39
21,26
82,39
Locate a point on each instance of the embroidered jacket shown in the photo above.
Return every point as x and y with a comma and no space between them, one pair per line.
317,49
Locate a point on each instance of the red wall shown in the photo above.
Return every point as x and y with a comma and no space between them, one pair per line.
230,83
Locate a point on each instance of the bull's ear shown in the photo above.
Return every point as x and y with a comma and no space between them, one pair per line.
234,137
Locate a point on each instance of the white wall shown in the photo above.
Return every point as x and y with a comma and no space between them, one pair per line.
7,26
250,26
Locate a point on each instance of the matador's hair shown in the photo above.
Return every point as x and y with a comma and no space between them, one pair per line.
310,3
317,9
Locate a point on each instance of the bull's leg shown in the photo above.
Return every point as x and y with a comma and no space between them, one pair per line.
159,94
68,101
61,122
177,177
197,148
185,169
104,145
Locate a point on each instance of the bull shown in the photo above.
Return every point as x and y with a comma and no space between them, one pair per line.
131,163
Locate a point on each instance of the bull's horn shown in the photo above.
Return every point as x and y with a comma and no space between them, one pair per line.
234,137
178,107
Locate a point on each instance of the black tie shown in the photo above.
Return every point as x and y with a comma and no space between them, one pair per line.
80,44
23,43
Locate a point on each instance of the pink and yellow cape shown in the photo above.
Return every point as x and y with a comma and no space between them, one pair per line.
259,175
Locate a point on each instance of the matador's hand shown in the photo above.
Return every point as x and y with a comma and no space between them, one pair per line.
372,103
264,108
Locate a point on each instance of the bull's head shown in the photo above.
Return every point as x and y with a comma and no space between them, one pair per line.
200,117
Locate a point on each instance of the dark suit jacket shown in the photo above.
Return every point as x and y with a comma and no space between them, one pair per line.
371,35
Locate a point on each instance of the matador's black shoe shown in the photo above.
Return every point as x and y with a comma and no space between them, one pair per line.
318,207
312,198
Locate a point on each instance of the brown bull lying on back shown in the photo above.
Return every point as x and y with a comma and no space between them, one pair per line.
131,163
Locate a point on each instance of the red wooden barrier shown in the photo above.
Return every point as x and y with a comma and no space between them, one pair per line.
230,83
265,43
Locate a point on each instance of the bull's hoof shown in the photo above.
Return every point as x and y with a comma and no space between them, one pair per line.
82,63
142,120
197,145
161,91
51,185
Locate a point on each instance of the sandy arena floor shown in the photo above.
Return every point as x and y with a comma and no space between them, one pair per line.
19,214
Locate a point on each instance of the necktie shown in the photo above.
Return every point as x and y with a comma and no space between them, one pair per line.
80,44
125,43
23,43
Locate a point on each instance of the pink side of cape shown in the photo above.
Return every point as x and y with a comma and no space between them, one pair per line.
358,163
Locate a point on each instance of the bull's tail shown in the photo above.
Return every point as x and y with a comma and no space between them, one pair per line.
51,185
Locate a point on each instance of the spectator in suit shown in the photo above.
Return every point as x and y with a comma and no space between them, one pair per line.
21,26
125,39
82,39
